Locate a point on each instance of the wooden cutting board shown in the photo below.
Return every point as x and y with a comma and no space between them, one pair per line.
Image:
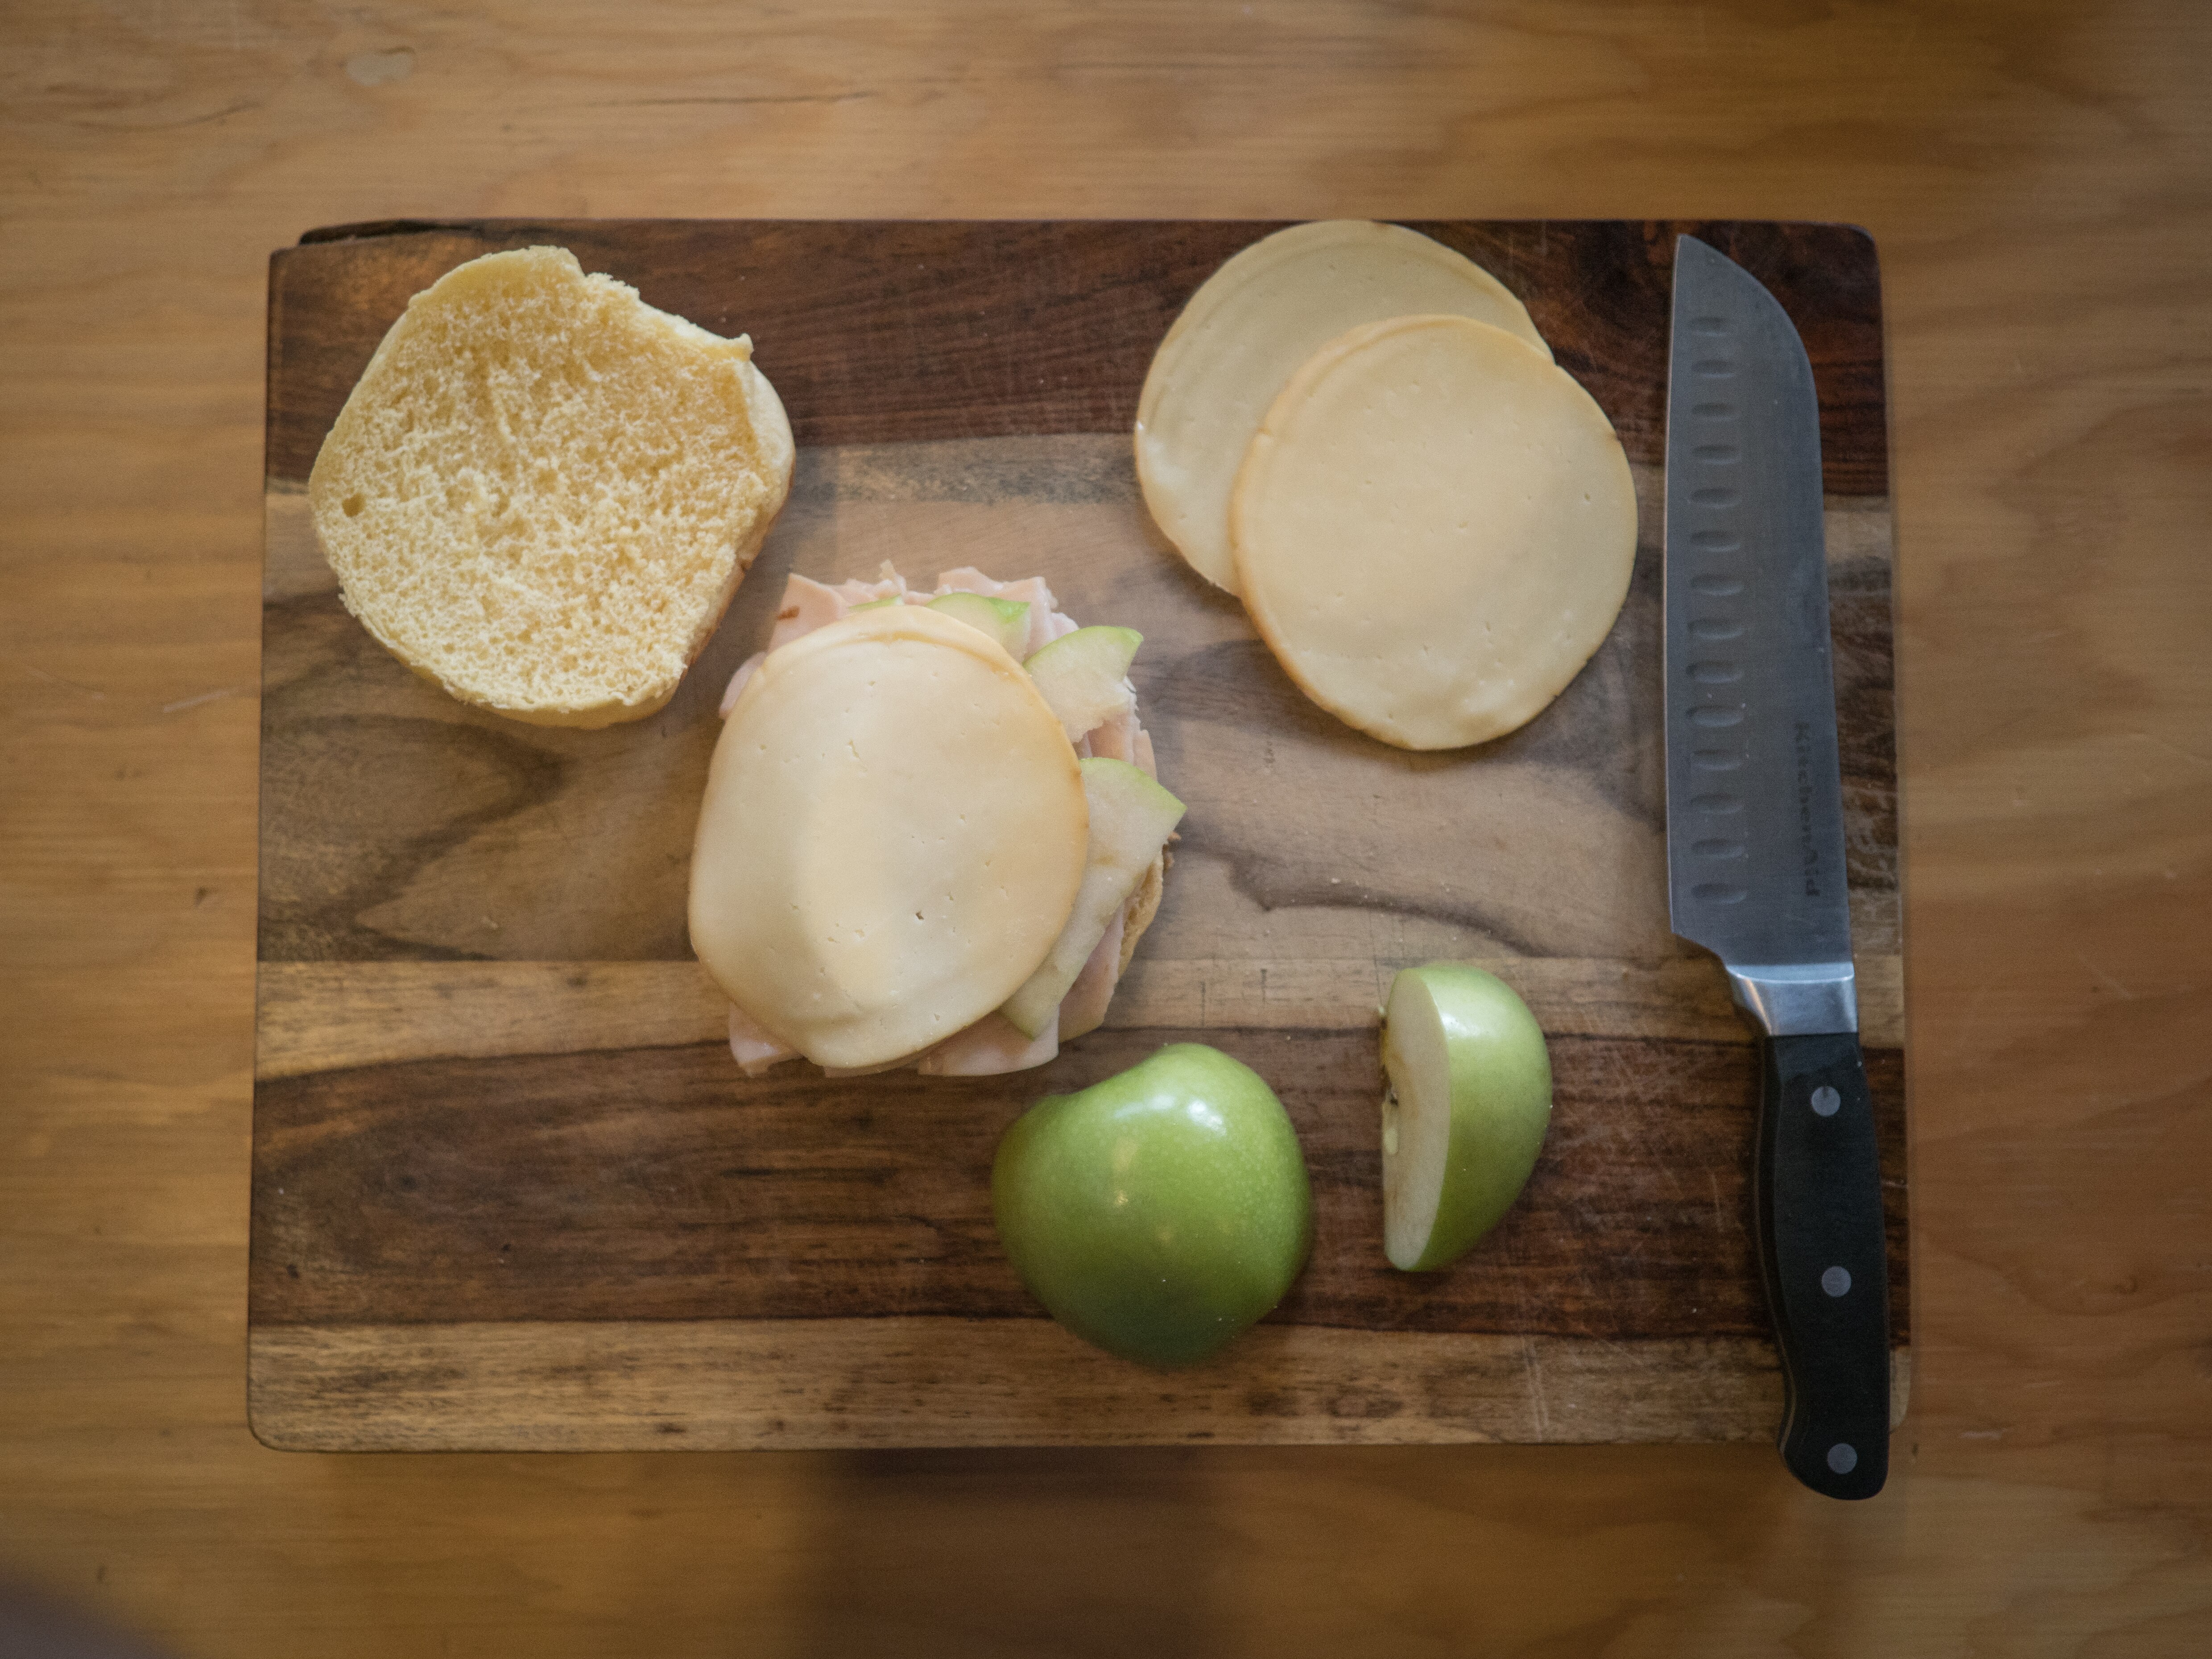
509,1191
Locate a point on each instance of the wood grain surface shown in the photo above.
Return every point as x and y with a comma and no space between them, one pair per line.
2034,172
964,394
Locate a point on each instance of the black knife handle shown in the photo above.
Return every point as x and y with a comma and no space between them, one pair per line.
1817,1189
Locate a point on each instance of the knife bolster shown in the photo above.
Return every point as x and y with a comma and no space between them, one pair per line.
1797,1000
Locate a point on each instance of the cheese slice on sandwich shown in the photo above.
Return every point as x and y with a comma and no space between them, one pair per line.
901,859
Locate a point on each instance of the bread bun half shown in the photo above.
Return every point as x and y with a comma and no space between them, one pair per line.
542,492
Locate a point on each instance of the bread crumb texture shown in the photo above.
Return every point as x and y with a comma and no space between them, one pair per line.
542,492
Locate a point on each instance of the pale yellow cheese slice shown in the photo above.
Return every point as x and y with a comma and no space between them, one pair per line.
892,837
1434,529
1244,333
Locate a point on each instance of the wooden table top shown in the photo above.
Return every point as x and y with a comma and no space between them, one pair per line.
2033,175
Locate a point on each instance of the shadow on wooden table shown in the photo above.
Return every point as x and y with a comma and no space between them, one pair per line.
1106,1551
1172,1552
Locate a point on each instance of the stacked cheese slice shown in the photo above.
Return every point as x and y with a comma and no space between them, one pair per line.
1361,433
932,833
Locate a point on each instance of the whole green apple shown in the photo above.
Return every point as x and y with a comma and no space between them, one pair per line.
1158,1212
1469,1099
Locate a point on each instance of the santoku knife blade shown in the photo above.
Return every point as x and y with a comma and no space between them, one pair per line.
1755,842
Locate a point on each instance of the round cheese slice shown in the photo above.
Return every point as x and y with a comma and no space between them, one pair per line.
1244,333
1434,528
893,837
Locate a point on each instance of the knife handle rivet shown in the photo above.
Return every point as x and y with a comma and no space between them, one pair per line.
1843,1459
1836,1281
1826,1102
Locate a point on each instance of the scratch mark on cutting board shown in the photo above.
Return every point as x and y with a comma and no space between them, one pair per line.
183,704
1534,1368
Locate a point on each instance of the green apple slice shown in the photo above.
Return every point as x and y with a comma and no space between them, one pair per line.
1131,819
1007,621
1084,676
1470,1095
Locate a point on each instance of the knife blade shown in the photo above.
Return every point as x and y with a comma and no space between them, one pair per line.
1755,868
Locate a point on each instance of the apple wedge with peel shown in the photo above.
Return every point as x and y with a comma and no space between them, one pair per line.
1084,678
1007,621
1468,1101
1131,819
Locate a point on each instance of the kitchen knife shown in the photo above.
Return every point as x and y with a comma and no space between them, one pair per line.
1755,842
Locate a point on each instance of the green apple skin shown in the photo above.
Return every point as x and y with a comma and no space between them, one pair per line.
1006,621
1159,1213
1131,819
1501,1102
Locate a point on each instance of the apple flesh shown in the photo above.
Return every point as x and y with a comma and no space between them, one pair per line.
1158,1213
1006,621
1468,1102
1131,819
1083,677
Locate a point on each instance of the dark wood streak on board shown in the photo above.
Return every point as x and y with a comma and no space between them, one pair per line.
889,332
657,1184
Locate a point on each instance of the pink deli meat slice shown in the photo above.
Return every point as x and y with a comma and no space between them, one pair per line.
1083,1010
1032,590
892,587
989,1047
807,605
1115,737
737,687
754,1050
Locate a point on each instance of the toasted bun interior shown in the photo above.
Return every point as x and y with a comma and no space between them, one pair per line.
541,493
892,837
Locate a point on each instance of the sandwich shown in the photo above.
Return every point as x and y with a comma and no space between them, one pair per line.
932,830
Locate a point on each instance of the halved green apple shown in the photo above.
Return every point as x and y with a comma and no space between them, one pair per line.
1084,678
1160,1211
1469,1099
1131,819
1007,621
